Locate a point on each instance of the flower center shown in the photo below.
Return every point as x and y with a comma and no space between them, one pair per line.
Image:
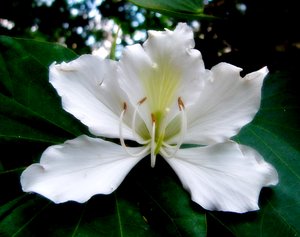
156,144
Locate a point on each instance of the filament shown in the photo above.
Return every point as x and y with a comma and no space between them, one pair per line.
133,123
122,141
183,128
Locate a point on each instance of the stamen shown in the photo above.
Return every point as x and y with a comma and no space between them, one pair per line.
153,145
153,118
168,145
180,104
142,100
142,152
183,128
124,107
164,153
133,123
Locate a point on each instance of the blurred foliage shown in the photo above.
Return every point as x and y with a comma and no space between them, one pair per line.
54,23
247,33
73,22
131,17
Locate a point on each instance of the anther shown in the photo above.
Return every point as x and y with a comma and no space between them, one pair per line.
153,118
183,127
180,103
124,106
142,100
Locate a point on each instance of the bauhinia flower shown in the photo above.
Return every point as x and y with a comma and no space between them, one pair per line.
160,96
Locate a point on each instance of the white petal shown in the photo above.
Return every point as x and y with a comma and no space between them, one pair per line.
90,91
173,52
79,169
165,68
226,103
224,177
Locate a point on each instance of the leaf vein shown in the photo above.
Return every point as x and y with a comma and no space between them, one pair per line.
271,149
31,219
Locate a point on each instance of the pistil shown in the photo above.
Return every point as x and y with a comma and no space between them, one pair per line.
153,143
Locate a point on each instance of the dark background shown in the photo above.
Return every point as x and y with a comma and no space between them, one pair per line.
246,33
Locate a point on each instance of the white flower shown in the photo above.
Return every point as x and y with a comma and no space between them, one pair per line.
160,96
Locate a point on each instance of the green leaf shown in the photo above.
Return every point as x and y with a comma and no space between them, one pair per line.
29,107
190,9
275,133
164,203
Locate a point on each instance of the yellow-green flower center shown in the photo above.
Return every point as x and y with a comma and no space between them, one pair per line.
161,88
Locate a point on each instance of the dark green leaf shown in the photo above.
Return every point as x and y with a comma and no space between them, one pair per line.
164,203
30,107
177,8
